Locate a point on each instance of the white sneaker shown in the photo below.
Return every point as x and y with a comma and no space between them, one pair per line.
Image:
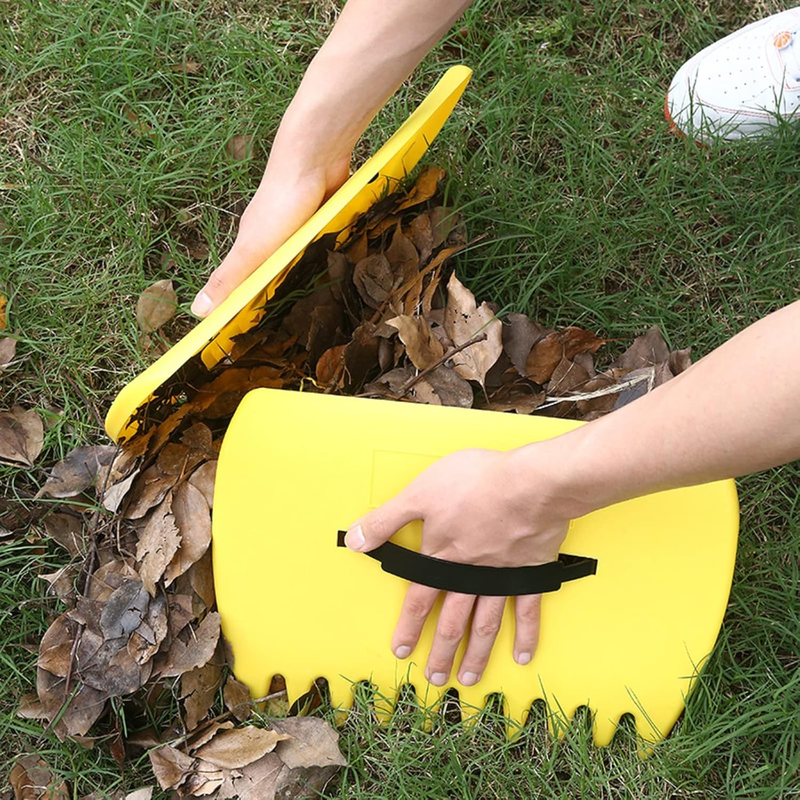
742,85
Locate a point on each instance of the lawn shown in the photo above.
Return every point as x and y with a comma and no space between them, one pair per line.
114,173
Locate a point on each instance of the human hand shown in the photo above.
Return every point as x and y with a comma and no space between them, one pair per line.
286,198
477,507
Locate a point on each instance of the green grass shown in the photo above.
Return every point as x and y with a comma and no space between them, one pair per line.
113,168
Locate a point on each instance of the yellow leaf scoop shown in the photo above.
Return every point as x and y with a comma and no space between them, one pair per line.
628,633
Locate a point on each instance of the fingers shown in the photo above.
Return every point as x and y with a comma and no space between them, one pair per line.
450,629
486,623
270,219
417,605
528,611
235,267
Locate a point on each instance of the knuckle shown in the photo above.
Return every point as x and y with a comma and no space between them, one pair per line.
217,282
377,524
450,632
417,608
486,628
528,612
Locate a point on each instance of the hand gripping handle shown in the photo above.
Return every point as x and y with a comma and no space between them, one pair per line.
449,576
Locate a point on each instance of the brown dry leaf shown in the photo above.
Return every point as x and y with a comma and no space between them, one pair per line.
357,249
84,708
156,306
520,334
203,478
201,645
140,794
198,687
32,779
108,666
201,579
157,545
237,699
66,530
544,357
193,521
390,383
424,188
463,321
311,755
423,348
21,437
188,67
444,386
330,366
597,406
3,307
78,471
239,747
422,236
204,780
112,499
180,613
8,350
240,146
108,577
680,360
403,257
568,376
147,638
205,733
256,781
447,225
361,356
124,610
148,490
374,279
55,647
298,321
170,766
30,707
647,350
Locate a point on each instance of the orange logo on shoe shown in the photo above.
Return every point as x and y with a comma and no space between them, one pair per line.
782,39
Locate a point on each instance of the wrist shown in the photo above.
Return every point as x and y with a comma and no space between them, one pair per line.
550,477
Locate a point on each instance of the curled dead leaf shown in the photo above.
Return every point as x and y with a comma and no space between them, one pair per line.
240,146
158,543
422,346
78,471
239,747
184,656
8,350
156,306
463,321
21,437
32,779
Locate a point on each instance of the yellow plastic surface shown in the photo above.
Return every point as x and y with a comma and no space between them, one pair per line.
297,467
245,306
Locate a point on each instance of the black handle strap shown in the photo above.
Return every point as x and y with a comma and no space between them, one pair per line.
473,579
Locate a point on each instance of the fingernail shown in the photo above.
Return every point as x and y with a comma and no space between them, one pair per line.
403,651
470,678
439,678
355,538
202,305
524,658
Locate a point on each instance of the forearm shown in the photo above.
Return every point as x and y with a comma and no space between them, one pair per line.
734,412
372,48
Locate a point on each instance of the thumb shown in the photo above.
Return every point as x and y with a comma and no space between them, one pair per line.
235,267
378,526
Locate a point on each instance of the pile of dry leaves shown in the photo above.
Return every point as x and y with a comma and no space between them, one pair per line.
384,317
